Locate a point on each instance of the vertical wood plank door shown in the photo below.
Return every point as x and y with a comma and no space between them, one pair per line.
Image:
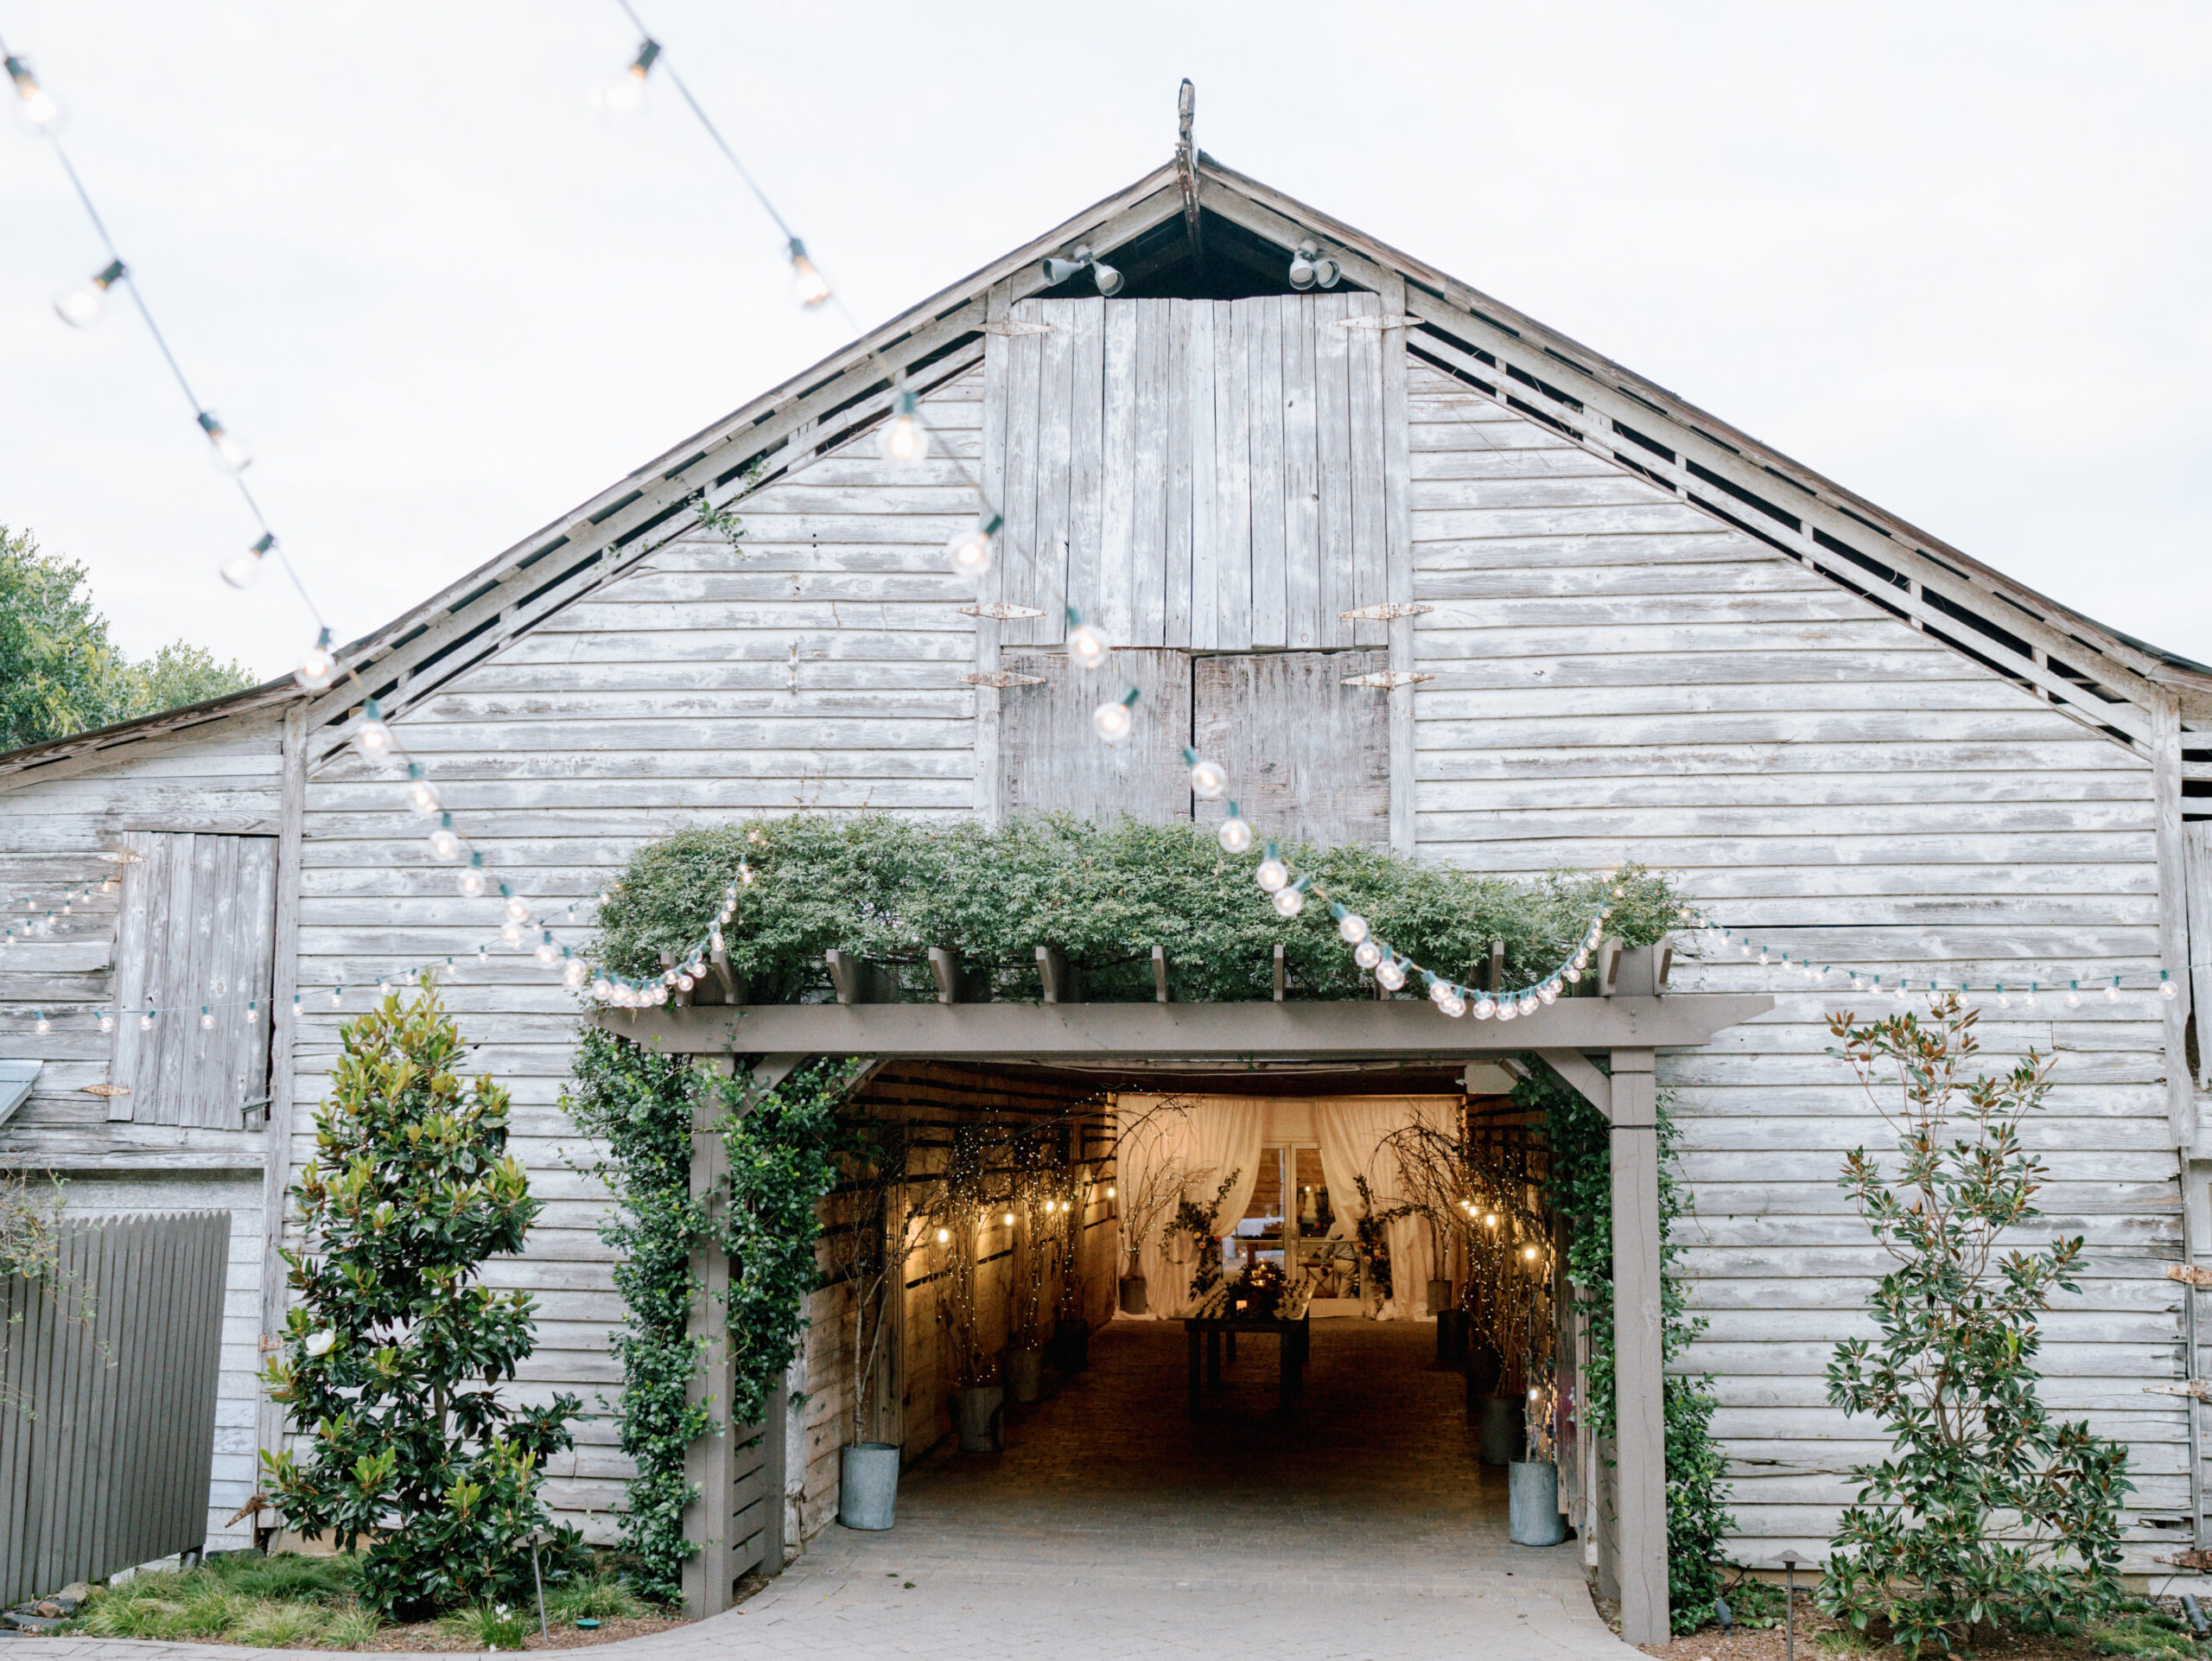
195,945
1206,473
1309,755
1053,760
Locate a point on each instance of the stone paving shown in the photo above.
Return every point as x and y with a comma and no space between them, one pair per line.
1358,1527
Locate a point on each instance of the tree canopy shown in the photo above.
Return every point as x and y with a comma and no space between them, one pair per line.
59,674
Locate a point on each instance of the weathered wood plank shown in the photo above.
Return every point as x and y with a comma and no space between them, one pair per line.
1335,460
1087,583
1232,468
1117,582
1151,429
1200,352
1021,555
1363,353
1263,321
1055,761
1307,756
1301,481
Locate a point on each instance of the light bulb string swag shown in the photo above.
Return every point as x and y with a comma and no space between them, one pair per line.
2070,989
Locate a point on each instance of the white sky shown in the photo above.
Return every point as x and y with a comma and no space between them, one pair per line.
1954,256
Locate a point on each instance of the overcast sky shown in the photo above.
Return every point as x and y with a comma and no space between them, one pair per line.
1955,258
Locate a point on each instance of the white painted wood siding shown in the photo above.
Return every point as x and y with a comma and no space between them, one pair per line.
816,666
1619,677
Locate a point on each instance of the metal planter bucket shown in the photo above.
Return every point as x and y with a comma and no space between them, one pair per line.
1533,1495
867,1484
1135,1301
980,1413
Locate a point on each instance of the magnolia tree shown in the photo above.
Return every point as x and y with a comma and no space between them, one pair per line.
393,1352
1988,1510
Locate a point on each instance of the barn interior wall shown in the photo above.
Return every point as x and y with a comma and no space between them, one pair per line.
1619,676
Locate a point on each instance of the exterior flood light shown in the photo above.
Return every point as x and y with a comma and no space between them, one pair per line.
1058,271
1309,270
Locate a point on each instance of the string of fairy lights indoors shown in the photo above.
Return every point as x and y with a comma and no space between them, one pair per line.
905,440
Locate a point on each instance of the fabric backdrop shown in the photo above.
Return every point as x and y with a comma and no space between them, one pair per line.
1351,1131
1217,1135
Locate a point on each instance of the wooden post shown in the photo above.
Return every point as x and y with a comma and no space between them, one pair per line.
707,1577
2173,923
1636,1360
276,1136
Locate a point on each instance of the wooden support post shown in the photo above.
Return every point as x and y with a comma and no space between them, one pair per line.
2173,924
944,969
1609,967
706,1463
1160,974
858,981
1638,1413
1281,971
725,977
1062,984
1496,969
276,1137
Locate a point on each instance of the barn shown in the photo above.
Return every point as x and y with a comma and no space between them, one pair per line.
1419,572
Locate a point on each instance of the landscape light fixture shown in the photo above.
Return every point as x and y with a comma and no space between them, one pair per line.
1308,270
1058,271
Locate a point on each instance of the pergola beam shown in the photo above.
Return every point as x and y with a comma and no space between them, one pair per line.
1352,1029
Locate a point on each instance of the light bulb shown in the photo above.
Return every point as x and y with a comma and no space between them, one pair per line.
242,571
1507,1009
445,844
1574,975
1438,990
1491,1221
320,667
231,455
34,106
1301,270
374,738
1353,928
1455,1006
471,882
2112,992
1271,873
252,1012
969,553
1208,779
1108,279
1290,902
1389,975
41,1025
1109,1191
421,798
905,440
1549,992
518,907
2030,999
1486,1006
624,93
1235,835
601,989
511,932
808,284
548,954
1085,644
2004,1000
2073,994
81,307
2166,987
146,1022
1530,1252
1114,719
1528,1004
1007,1219
207,1020
943,1235
1367,954
107,1023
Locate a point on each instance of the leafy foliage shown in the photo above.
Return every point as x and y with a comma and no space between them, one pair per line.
1987,1509
890,888
59,671
637,1102
1698,1519
392,1351
1201,1220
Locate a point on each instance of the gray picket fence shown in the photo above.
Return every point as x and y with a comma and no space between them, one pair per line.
107,1399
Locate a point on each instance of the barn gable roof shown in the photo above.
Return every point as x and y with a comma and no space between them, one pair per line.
2111,680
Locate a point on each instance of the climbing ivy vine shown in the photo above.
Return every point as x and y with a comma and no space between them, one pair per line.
1581,1191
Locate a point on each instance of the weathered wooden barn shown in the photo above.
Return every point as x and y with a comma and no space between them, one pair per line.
1414,568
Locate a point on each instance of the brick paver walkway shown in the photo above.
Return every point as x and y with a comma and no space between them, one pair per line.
1357,1528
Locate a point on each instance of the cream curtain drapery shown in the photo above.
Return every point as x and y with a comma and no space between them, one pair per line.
1351,1132
1190,1151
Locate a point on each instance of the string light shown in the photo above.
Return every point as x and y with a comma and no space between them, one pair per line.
84,305
625,93
905,441
1208,779
1114,719
969,553
1271,874
809,287
34,106
320,667
244,570
1235,834
1290,899
231,455
1085,644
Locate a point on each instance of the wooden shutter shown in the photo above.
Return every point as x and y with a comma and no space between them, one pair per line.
1308,757
2196,866
1192,473
198,914
1053,761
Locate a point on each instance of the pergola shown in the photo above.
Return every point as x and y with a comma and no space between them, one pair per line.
1627,1020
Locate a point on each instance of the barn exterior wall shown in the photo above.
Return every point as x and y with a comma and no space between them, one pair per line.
56,829
1618,676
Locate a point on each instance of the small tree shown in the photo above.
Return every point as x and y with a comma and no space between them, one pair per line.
392,1350
1986,1509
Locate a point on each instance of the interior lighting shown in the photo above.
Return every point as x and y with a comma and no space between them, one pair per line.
625,93
81,307
1115,719
1491,1221
1208,779
1308,270
969,553
1007,1219
943,1235
1530,1252
1109,1191
242,571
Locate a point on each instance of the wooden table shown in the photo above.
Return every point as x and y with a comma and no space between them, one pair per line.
1216,1324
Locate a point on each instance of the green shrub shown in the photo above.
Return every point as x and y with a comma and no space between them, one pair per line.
889,889
593,1597
392,1351
492,1626
1987,1511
